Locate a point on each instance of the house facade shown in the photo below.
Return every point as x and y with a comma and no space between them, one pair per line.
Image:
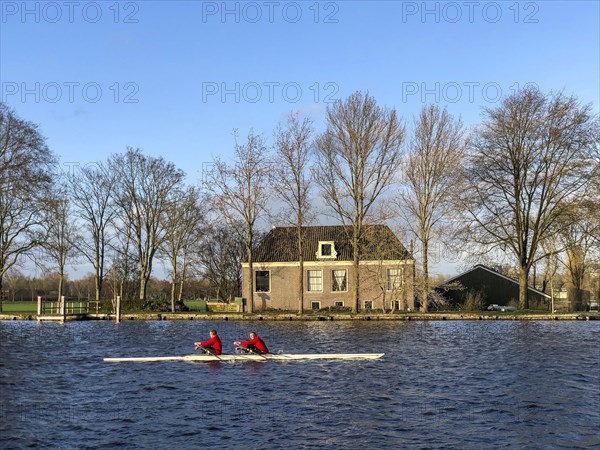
386,270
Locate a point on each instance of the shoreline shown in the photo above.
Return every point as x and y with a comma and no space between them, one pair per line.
309,317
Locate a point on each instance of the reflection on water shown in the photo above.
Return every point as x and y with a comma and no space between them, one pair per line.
485,384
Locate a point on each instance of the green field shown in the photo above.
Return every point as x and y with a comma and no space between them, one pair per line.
19,307
195,305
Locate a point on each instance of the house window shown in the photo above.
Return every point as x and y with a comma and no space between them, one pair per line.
326,250
368,304
338,304
396,305
262,281
395,279
339,281
314,280
315,306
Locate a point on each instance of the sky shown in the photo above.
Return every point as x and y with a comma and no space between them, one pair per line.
175,78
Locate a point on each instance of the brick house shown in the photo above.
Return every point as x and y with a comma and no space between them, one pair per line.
386,270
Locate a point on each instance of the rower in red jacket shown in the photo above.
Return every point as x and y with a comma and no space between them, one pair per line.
213,345
254,345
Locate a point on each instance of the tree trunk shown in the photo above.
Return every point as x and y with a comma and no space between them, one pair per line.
60,284
577,271
576,299
143,285
425,274
301,288
523,292
121,288
173,282
99,275
98,287
173,295
301,274
250,283
183,270
355,263
1,297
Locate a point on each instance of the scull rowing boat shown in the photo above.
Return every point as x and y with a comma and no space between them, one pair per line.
249,357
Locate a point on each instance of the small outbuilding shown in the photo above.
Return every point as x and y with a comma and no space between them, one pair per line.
486,287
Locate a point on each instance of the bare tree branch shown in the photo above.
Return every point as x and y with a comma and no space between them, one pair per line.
143,191
241,193
292,182
431,175
357,158
528,161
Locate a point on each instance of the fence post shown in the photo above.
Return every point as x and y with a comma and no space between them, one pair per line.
63,305
39,305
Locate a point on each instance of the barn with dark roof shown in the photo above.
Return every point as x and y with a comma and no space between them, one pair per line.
492,287
386,270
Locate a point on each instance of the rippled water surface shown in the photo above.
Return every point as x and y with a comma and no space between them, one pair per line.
475,385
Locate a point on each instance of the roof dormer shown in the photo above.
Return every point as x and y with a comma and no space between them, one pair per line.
326,250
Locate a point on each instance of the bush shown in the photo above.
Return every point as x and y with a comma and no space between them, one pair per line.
473,301
155,305
179,306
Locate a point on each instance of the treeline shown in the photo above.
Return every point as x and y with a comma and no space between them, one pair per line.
523,186
19,287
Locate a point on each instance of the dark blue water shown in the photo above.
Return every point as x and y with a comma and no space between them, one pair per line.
474,385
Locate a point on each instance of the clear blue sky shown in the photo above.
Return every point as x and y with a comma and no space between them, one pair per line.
175,78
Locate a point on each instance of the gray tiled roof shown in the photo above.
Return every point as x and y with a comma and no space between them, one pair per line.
279,245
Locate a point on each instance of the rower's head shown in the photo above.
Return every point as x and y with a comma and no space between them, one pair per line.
213,332
253,334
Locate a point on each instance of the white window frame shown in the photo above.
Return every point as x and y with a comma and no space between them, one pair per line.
340,305
255,284
315,302
333,280
397,282
308,280
333,252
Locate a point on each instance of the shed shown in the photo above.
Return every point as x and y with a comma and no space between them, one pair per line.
494,288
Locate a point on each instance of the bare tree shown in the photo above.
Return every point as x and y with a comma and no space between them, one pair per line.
143,190
527,161
121,276
292,181
357,157
182,221
430,181
579,239
593,196
241,193
220,255
15,281
60,235
26,167
90,191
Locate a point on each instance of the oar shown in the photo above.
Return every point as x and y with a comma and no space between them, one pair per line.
248,350
207,352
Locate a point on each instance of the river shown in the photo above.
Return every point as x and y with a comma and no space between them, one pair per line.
446,384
